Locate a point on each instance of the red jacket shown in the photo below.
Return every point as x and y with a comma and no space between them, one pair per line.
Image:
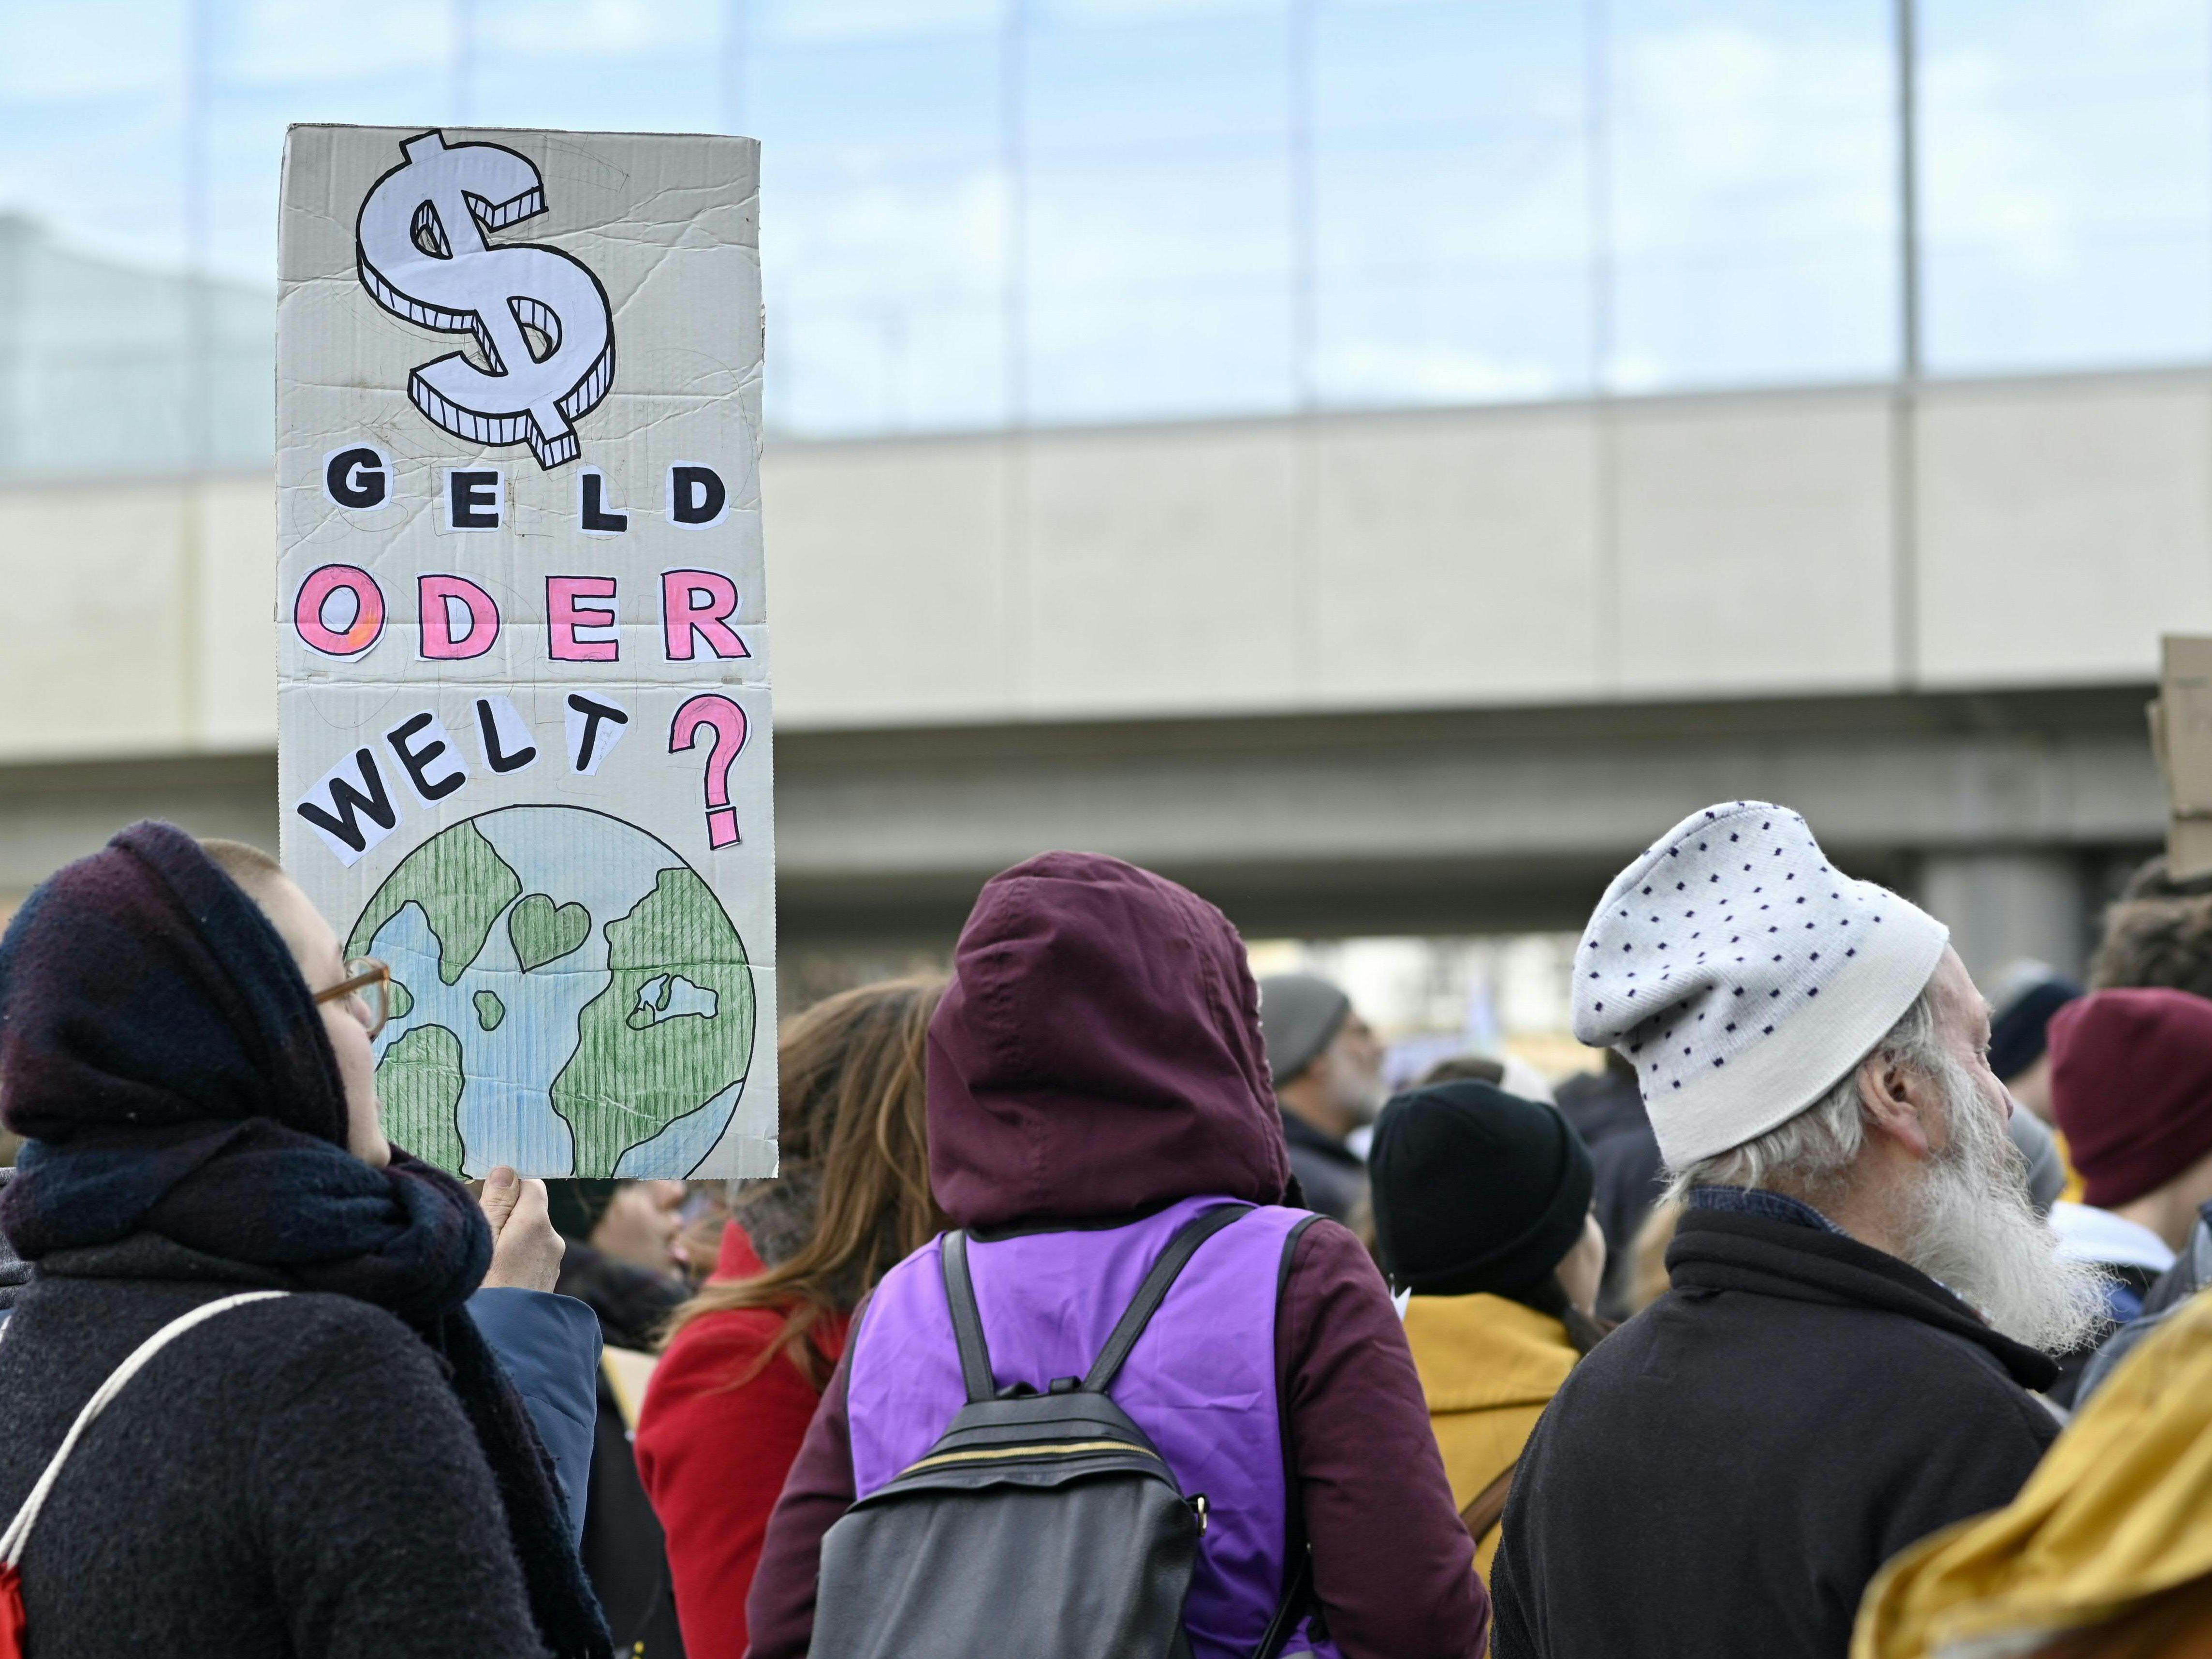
714,1458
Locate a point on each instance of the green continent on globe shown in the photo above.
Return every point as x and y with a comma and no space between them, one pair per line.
489,1010
419,1081
542,932
625,1084
462,885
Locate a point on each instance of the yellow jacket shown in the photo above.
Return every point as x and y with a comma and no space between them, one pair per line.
1489,1366
2119,1509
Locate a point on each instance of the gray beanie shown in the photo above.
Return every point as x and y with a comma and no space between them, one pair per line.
1744,975
1300,1015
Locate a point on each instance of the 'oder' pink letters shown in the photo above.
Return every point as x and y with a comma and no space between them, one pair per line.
696,605
566,611
437,595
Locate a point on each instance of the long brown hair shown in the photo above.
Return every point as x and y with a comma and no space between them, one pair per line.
852,1128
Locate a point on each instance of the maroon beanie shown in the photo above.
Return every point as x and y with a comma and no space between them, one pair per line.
2131,1087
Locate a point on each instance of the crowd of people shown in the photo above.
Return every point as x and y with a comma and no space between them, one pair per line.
1106,1302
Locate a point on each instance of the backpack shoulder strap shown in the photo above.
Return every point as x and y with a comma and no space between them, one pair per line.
1487,1507
1298,1592
1142,1306
19,1530
1297,1600
967,1319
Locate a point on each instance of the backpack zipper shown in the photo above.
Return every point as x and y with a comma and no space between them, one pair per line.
1055,1448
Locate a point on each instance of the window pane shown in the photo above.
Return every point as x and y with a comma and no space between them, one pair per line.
1452,201
273,65
883,215
1737,227
1753,163
1158,206
92,107
590,66
2068,193
91,237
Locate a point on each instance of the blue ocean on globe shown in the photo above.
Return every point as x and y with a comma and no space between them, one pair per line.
569,997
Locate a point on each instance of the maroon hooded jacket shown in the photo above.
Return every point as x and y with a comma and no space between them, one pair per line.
1098,1055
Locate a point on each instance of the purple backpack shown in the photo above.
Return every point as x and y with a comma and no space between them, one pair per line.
1037,1524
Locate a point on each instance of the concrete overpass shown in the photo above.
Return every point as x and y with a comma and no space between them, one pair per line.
1436,671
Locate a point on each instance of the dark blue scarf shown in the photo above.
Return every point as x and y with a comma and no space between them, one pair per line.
159,1047
408,1238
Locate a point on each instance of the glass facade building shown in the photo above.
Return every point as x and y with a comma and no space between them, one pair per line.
988,213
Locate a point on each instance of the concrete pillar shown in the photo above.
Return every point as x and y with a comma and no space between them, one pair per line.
2002,907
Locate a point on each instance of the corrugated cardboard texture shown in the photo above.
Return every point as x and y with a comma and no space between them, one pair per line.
522,635
2181,733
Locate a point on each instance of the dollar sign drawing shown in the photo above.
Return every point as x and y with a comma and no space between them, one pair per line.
420,242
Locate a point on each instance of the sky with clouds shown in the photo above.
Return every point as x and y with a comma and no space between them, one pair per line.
1075,210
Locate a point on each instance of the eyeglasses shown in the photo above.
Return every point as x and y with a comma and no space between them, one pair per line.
368,985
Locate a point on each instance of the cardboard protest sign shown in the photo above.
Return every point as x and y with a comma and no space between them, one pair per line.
522,651
2181,736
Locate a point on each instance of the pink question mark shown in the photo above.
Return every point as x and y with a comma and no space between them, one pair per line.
728,721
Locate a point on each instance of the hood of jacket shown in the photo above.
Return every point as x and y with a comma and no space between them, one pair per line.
1482,1352
142,990
1097,1052
1716,1250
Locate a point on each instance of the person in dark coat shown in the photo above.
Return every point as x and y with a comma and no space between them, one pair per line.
618,1265
1096,1062
548,1344
1860,1289
1482,1209
344,1469
2020,1034
1327,1069
1606,1110
1601,1104
2131,1083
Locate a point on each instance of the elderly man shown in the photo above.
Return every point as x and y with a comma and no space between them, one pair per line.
1327,1068
1860,1286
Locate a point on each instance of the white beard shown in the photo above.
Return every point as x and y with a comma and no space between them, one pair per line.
1974,1229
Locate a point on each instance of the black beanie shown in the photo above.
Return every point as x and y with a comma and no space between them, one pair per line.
2020,1035
576,1207
1475,1189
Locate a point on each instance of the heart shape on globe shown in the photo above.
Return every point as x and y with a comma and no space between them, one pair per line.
542,933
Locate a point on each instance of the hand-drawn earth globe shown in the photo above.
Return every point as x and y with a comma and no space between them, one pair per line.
567,996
